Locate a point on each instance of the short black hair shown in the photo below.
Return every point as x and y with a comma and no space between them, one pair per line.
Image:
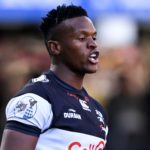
56,16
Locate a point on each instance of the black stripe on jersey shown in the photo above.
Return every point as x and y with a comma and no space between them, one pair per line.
23,128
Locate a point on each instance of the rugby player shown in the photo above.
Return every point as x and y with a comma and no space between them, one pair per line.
54,111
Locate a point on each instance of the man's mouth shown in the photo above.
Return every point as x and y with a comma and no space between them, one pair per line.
94,57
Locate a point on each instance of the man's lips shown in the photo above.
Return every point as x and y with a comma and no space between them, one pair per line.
94,57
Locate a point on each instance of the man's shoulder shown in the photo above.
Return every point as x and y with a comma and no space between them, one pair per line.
36,86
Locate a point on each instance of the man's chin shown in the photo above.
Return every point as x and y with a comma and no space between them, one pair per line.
91,71
88,70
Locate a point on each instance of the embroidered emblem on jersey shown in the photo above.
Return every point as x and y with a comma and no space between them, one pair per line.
26,108
101,120
72,114
84,105
99,116
41,78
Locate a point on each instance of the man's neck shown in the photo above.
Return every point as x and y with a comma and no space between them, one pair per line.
66,75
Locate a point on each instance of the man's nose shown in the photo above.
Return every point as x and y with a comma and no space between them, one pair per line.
92,44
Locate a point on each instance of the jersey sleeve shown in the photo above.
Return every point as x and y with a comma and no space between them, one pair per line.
30,110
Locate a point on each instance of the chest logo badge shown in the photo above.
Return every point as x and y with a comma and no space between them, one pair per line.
84,105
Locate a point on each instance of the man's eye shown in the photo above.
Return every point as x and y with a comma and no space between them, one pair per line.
82,38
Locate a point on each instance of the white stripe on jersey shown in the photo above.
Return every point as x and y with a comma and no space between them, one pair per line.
30,109
58,139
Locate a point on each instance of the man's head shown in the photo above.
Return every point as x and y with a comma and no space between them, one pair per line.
56,16
70,37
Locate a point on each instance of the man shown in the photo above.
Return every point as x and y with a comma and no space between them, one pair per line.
54,111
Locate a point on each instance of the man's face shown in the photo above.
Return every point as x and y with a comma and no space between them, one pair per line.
79,48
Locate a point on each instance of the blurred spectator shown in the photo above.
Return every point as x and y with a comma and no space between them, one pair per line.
128,122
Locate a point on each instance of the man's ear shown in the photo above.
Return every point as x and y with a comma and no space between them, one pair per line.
54,47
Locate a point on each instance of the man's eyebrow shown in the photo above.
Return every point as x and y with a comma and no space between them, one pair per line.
86,32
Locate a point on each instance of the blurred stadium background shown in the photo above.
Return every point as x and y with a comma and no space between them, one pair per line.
122,84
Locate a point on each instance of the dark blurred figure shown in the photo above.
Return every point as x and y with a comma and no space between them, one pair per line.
128,116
